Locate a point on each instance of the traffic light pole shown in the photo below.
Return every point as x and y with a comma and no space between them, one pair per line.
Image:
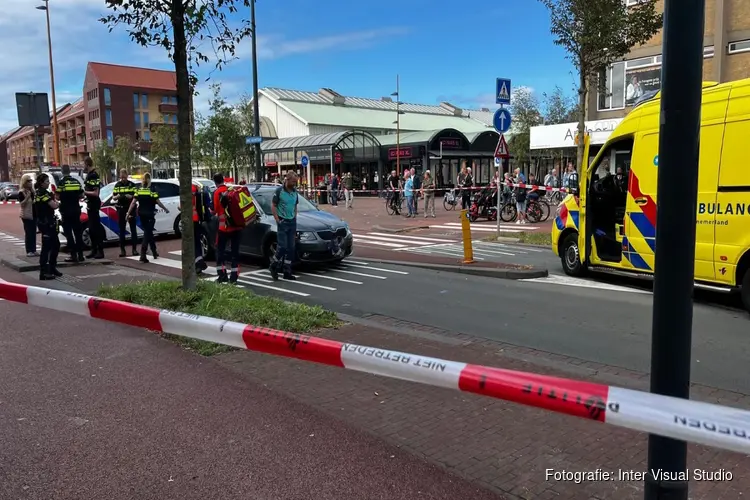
677,193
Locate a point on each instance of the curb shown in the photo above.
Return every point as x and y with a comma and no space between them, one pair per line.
487,272
399,230
23,267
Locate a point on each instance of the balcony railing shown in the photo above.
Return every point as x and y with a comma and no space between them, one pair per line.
168,108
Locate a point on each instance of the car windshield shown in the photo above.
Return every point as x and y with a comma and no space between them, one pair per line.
106,191
12,186
264,198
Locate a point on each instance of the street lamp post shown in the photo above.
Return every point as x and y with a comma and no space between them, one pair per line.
55,129
397,95
256,113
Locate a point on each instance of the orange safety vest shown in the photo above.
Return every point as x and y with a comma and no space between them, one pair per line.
221,212
195,204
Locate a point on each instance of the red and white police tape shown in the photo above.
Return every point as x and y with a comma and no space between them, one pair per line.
456,190
713,425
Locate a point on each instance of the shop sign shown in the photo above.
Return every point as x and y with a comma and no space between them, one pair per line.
564,135
394,153
450,142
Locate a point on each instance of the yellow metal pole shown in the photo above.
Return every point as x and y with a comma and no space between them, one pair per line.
466,236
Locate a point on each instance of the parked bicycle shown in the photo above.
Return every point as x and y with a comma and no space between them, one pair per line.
451,199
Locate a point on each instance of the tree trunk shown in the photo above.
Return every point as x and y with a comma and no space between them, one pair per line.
185,174
582,95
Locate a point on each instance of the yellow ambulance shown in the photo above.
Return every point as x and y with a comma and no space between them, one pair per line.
610,224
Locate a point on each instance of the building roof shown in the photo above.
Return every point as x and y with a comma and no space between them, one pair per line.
74,109
313,141
327,107
131,76
9,134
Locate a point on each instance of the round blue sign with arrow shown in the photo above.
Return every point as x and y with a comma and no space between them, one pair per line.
501,120
305,160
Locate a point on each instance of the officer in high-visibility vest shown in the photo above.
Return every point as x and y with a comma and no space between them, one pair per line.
123,194
70,192
44,211
199,217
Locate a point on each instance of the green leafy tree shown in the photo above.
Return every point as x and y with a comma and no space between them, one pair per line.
220,138
597,33
103,157
557,107
183,28
124,152
526,114
163,143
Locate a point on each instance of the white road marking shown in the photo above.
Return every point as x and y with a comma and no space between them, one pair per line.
361,274
347,266
261,285
378,243
581,283
319,274
357,262
418,238
392,239
302,283
174,264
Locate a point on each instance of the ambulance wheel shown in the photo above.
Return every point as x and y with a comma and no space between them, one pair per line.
177,226
745,290
570,255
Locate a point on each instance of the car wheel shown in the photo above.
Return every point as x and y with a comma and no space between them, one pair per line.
208,249
86,238
269,250
570,256
177,226
745,290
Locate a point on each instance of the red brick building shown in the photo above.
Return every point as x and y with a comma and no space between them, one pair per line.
127,101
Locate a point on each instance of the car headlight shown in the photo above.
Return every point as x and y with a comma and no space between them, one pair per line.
306,236
348,231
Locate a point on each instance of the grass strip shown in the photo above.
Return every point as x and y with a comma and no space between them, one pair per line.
224,302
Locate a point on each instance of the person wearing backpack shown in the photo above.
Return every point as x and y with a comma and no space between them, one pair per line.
284,208
227,233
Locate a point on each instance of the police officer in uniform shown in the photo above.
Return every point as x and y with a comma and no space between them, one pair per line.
44,208
124,192
146,198
92,184
70,193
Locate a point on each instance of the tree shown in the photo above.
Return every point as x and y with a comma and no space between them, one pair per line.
597,33
525,108
103,157
220,139
163,143
558,107
124,152
182,28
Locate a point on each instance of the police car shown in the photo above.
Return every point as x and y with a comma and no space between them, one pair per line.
166,223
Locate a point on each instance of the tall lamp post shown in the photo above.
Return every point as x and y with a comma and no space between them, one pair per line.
397,95
256,113
55,129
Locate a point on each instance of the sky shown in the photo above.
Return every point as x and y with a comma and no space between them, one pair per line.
441,50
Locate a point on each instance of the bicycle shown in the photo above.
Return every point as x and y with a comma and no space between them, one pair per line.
450,199
390,206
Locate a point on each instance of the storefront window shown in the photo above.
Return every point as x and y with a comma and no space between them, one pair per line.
612,87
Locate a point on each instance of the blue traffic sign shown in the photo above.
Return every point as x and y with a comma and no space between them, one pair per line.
502,91
501,120
253,140
305,160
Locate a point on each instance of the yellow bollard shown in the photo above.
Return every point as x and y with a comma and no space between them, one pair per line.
466,236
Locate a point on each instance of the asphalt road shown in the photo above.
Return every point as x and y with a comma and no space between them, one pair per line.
92,410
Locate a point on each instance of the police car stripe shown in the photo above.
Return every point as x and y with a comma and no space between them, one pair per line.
709,424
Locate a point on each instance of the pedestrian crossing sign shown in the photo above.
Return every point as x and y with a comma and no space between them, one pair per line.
502,91
501,151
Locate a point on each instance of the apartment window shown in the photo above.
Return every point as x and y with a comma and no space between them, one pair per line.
174,119
164,99
708,51
741,46
136,101
107,97
612,87
137,120
146,135
173,99
108,117
144,101
145,119
110,138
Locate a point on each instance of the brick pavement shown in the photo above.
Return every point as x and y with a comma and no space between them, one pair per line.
502,446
